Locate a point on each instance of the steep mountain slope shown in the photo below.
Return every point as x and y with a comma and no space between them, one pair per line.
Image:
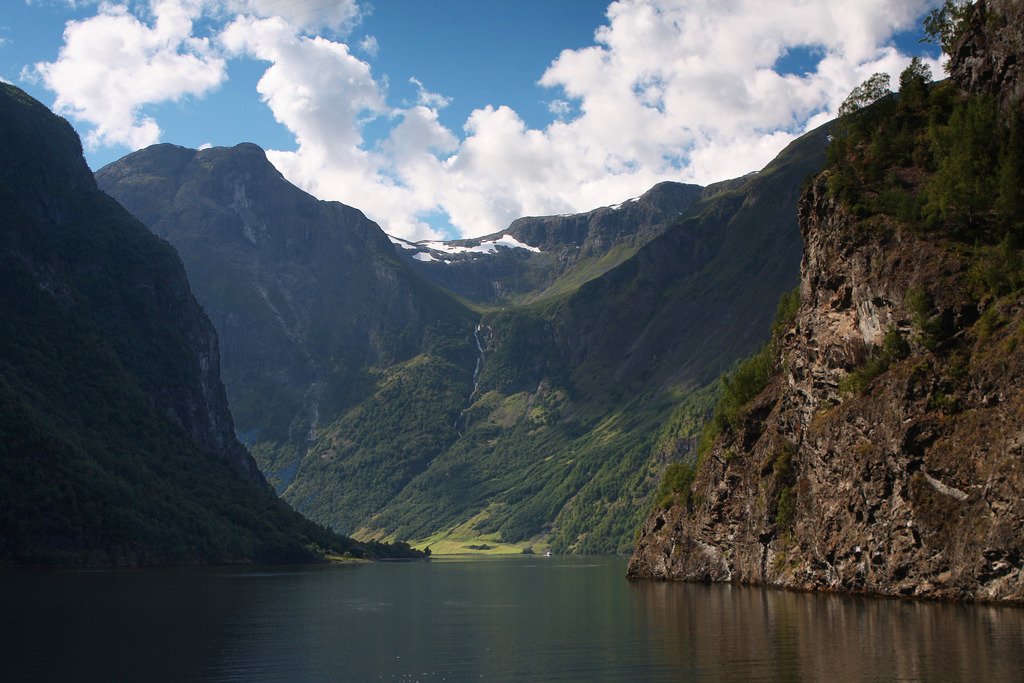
881,447
539,256
379,405
308,297
116,444
583,397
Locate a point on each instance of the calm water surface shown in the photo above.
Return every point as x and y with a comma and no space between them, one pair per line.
514,619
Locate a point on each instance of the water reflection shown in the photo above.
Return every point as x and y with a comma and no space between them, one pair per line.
725,631
506,619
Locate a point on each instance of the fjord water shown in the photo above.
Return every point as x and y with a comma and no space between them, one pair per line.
522,618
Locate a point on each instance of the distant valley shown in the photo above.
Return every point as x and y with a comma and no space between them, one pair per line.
521,390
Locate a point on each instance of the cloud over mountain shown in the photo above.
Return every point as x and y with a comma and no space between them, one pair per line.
693,91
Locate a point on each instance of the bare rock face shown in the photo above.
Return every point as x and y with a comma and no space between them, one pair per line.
987,57
910,489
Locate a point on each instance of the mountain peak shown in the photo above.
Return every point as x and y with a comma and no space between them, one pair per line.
244,153
257,204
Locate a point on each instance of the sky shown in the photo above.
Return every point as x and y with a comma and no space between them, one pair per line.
451,118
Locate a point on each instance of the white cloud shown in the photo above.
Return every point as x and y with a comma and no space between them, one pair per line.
669,90
314,86
425,98
112,65
324,95
306,15
560,108
74,4
369,46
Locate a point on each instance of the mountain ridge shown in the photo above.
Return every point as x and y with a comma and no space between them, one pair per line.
305,293
117,444
548,254
560,361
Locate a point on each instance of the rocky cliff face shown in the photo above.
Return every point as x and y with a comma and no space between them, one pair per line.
907,486
893,492
987,55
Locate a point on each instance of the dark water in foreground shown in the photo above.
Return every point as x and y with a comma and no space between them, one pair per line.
517,618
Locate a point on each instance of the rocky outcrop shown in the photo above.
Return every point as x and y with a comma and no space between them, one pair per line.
911,488
907,481
987,54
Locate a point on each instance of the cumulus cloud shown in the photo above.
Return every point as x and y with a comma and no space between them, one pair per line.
324,95
560,108
668,90
425,98
314,86
112,65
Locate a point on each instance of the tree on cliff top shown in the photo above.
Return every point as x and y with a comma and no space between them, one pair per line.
944,24
870,91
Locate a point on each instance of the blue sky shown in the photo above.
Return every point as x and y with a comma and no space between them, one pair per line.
453,117
474,52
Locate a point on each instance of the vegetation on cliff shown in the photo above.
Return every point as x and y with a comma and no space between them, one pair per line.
882,454
739,386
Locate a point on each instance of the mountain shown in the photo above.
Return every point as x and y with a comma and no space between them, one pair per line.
875,444
540,256
384,405
308,297
116,444
584,396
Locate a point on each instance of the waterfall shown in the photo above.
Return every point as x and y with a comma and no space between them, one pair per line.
476,375
479,359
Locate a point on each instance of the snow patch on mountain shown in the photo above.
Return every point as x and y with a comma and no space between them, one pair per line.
616,207
485,247
403,243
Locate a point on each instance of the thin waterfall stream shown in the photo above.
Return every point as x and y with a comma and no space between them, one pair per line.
476,375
